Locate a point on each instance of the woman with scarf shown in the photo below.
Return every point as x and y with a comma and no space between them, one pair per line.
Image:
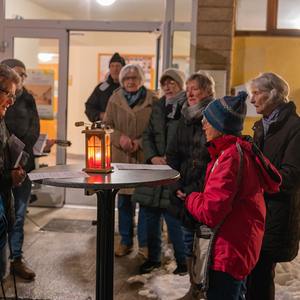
156,138
127,113
188,155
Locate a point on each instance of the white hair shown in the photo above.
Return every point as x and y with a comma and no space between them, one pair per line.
274,84
131,68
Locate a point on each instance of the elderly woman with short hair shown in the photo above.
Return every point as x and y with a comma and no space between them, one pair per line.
9,178
278,135
127,113
188,155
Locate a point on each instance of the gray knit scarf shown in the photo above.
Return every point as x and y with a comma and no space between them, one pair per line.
178,99
194,112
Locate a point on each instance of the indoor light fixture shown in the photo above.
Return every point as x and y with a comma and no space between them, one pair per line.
106,2
45,57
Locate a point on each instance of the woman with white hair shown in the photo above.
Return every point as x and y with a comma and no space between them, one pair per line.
127,113
277,134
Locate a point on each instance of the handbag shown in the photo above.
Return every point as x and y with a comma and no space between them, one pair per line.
204,241
3,226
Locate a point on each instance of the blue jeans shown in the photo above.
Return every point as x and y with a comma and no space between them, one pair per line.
3,262
154,229
188,241
126,213
222,286
22,196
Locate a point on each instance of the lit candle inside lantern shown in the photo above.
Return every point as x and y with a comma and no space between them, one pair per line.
98,159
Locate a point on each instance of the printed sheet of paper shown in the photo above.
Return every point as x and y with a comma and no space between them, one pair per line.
16,147
143,167
45,175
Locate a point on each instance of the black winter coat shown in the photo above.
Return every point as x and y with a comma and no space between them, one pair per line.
6,180
98,100
156,138
22,120
282,147
188,155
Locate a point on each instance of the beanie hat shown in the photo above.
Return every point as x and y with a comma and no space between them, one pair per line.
175,74
117,58
12,62
227,114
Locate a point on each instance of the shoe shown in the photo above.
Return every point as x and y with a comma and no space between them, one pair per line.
20,268
143,251
181,270
123,250
148,266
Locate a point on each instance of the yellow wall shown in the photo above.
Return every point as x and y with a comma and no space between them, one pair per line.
253,55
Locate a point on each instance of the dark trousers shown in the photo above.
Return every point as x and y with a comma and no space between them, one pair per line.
222,286
260,282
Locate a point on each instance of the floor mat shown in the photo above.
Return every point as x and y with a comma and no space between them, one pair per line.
71,226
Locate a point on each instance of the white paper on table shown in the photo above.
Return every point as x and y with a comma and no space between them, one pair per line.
45,175
143,167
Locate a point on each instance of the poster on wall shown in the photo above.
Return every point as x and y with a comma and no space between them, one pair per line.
40,84
145,61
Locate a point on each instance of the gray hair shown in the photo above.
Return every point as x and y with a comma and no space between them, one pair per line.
8,75
131,68
205,81
274,84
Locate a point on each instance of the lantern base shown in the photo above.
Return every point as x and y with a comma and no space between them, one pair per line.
98,170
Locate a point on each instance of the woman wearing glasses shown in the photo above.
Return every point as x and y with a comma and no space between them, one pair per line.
9,80
188,155
156,138
23,121
127,112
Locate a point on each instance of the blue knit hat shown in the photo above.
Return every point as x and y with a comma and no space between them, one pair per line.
227,114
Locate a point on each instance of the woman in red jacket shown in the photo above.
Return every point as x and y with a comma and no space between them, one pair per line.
238,241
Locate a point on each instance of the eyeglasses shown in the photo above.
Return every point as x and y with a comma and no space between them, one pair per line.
9,95
168,84
204,122
133,78
23,75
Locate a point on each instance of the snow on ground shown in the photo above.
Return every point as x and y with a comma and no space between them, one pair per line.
161,284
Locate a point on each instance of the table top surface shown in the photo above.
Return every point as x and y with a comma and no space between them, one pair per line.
116,179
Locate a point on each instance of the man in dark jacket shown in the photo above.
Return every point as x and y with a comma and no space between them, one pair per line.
97,102
278,136
22,120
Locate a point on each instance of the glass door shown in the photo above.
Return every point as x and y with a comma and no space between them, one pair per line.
44,54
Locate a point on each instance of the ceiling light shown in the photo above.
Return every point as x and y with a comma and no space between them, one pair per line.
106,2
45,57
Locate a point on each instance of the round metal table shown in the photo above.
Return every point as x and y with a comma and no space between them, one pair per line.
106,186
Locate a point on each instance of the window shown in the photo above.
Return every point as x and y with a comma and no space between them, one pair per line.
268,17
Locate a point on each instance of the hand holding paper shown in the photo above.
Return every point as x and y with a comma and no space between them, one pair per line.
18,176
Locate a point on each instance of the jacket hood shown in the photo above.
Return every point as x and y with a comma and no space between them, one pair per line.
269,176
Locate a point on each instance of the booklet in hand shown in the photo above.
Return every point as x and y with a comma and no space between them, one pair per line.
16,150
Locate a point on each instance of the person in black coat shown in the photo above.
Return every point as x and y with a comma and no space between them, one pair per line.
188,155
278,136
22,120
9,178
97,102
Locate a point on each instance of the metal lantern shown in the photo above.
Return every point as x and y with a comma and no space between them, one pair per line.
97,150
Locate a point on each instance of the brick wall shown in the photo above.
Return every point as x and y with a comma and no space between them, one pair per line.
215,31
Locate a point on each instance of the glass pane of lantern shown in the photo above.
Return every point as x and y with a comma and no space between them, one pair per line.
97,152
91,152
107,151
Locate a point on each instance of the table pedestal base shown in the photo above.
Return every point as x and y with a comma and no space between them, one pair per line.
105,244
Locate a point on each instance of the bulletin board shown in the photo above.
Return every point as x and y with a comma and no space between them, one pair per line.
40,84
145,61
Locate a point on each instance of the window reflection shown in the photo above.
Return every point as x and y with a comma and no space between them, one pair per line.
288,14
251,15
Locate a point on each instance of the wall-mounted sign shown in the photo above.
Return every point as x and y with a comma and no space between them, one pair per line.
40,84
